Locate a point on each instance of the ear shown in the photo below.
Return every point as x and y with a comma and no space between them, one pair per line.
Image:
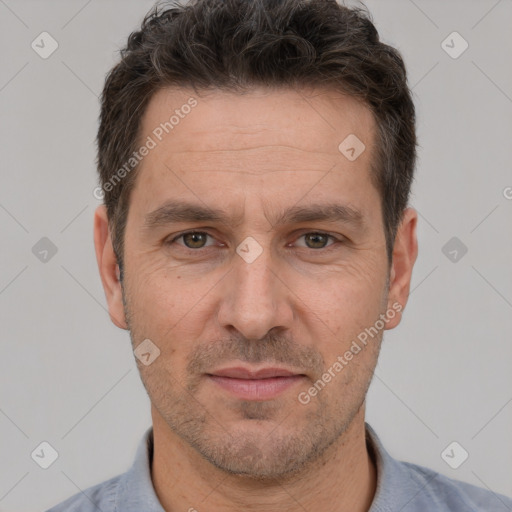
405,252
109,270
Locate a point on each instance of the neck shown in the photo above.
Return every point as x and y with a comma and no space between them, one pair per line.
344,478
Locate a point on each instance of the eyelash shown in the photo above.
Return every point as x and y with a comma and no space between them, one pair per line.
181,235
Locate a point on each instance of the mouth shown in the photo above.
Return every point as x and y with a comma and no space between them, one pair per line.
262,384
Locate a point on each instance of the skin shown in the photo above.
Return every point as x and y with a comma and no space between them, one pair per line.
298,305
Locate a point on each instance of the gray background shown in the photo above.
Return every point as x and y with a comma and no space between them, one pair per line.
68,375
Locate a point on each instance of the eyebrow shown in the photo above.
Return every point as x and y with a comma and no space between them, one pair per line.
176,211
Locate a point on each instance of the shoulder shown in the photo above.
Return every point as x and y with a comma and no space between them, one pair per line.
101,496
414,488
450,494
129,491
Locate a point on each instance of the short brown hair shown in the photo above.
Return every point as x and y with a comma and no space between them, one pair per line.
235,44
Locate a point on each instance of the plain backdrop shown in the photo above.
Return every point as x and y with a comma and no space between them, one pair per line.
68,375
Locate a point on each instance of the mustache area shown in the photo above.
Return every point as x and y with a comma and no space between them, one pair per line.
274,350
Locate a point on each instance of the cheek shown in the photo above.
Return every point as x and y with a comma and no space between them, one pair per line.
167,306
152,293
351,297
355,336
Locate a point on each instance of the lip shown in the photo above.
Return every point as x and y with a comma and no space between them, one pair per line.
240,372
262,384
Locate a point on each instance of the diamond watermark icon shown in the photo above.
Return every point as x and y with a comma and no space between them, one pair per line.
44,455
249,249
454,45
351,147
454,455
44,45
146,352
454,249
44,250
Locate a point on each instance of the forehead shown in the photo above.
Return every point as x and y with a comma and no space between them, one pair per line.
307,119
275,142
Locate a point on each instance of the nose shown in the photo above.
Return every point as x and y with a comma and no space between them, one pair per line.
255,298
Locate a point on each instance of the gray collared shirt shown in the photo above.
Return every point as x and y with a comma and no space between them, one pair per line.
401,486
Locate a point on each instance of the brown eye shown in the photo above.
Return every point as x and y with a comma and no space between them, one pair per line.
192,239
317,240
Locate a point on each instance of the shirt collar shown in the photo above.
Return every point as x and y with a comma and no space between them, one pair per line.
136,491
394,489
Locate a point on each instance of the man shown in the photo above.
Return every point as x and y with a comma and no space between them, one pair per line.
256,159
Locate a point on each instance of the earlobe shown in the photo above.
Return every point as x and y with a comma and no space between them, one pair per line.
108,268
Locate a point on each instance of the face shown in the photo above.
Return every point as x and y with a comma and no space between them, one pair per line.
284,269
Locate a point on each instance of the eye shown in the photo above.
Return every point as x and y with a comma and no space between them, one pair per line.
197,240
192,239
317,240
